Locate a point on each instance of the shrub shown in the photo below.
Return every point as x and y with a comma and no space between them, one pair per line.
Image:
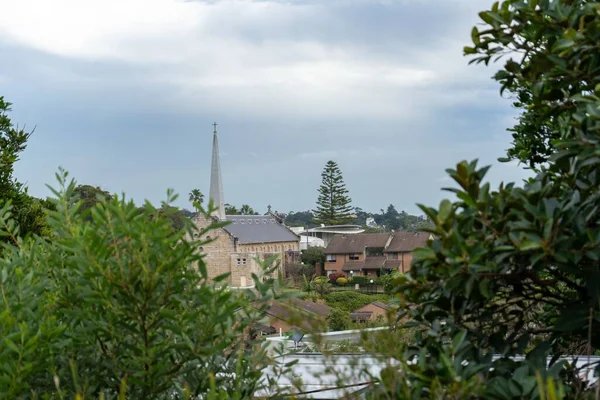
351,300
333,277
341,281
361,280
320,279
339,320
120,300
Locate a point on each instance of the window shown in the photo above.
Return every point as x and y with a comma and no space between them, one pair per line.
354,257
331,258
241,261
392,256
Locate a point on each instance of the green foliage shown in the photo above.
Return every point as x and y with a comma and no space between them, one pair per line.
559,66
121,301
350,300
515,270
245,209
27,212
196,197
333,203
88,196
300,218
322,287
338,320
341,281
312,256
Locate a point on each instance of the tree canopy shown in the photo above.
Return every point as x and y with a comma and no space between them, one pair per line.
333,203
514,270
27,211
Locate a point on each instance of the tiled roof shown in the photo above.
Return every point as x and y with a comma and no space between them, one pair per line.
353,265
258,229
283,309
374,262
382,305
360,315
407,241
356,243
314,308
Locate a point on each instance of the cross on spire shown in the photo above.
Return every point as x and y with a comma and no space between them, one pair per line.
215,127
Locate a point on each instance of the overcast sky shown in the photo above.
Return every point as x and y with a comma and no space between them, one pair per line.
123,94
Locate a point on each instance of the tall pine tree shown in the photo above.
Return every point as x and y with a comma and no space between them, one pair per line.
333,203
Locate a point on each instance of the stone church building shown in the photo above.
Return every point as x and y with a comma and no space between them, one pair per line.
238,247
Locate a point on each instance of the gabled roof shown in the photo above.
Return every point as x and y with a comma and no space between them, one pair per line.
374,262
349,244
360,315
378,304
353,266
407,241
282,310
258,229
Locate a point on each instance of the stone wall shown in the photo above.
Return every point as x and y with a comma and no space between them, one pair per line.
222,255
217,253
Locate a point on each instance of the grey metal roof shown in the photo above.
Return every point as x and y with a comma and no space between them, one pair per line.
258,229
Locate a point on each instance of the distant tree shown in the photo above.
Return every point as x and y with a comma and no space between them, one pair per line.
391,218
300,218
333,203
246,210
313,255
28,212
231,210
89,196
196,196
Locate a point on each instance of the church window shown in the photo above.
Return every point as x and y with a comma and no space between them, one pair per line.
241,261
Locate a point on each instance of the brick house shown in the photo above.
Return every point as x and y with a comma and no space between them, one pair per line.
371,312
372,253
235,248
305,315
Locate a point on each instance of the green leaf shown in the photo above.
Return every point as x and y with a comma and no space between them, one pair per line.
562,44
423,254
527,245
475,36
484,288
458,339
570,33
445,210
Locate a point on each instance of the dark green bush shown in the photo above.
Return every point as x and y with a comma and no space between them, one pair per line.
351,300
120,301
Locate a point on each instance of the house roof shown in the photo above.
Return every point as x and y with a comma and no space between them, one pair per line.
374,262
353,265
407,241
360,315
377,304
321,310
349,244
282,310
258,229
382,305
391,264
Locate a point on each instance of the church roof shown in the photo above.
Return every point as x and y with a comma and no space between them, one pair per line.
258,229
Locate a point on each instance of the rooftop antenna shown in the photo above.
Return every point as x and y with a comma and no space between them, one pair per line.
297,336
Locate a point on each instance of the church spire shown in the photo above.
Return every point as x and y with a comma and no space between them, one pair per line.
216,185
